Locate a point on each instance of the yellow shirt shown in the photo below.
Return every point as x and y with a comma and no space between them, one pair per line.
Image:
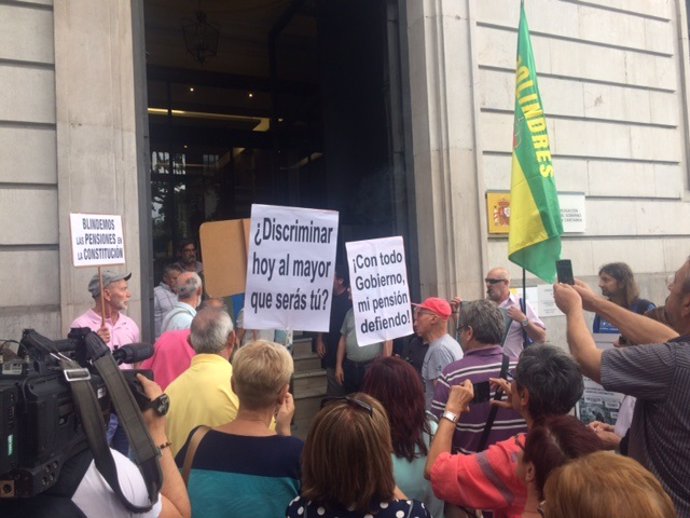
200,395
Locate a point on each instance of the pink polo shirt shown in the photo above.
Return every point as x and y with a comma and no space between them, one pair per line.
125,331
171,357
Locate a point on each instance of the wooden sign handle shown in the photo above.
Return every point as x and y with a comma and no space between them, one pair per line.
100,283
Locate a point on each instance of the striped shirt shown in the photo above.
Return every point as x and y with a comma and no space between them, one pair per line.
659,377
478,366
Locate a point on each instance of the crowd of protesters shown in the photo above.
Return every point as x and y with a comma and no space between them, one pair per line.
445,427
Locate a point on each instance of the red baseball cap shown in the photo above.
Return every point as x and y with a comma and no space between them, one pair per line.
437,306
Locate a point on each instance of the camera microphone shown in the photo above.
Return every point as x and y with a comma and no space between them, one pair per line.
133,353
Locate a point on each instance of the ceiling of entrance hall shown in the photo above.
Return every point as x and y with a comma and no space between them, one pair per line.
244,27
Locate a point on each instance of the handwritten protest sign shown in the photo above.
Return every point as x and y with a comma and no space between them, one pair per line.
380,294
97,239
290,268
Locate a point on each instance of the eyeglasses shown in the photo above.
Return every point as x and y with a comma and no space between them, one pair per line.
357,403
493,281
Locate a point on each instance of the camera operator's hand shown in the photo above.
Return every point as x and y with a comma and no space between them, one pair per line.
154,422
174,493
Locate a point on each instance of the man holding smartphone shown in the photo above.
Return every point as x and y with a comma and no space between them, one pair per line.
480,332
657,374
525,325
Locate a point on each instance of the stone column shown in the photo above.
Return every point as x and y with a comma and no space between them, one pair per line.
449,190
96,141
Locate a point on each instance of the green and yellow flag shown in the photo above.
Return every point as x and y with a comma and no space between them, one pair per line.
534,241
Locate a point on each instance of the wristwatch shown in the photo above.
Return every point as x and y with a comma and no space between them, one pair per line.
452,417
524,323
161,404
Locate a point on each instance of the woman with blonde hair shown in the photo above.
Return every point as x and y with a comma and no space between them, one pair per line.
602,485
244,468
346,465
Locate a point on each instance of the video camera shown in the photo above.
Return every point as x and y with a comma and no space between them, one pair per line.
40,428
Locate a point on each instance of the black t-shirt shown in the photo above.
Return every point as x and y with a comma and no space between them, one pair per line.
340,305
413,351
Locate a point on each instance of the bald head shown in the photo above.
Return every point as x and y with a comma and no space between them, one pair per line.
498,273
497,284
214,303
212,332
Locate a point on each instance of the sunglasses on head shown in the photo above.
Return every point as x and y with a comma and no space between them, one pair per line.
362,405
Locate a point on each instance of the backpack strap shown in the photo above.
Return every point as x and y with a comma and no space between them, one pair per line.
494,409
525,339
170,315
89,411
507,322
192,446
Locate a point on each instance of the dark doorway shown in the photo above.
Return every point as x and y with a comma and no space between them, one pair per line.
300,105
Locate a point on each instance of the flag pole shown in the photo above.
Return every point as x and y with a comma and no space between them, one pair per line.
523,307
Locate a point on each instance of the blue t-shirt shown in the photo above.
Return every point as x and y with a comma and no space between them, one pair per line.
409,477
640,306
236,476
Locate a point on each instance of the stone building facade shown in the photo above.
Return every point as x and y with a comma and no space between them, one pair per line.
614,83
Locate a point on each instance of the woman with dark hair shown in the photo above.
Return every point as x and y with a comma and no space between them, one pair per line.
395,383
346,465
549,445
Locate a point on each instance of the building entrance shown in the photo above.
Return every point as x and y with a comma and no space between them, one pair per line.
279,102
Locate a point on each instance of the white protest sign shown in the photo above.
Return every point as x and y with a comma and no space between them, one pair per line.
97,239
290,268
380,294
547,305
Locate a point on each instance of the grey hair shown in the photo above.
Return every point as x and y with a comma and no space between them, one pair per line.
485,319
187,288
553,379
211,329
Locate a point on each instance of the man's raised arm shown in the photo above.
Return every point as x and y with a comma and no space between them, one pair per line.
580,340
637,328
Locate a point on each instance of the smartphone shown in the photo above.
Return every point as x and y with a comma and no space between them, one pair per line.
482,392
564,271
